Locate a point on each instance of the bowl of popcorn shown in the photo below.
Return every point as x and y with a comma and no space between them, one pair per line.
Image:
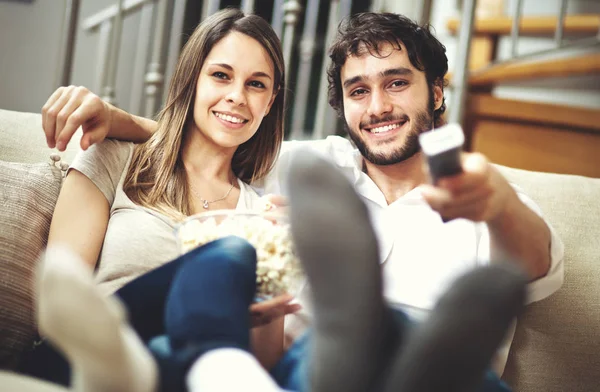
278,271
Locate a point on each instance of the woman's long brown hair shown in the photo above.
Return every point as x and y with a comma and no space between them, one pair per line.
156,177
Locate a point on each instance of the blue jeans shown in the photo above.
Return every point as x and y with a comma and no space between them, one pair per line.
145,299
291,372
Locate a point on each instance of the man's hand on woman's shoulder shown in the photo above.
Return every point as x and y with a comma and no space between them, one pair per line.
69,108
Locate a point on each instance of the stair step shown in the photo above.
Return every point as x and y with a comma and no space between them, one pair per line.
569,117
587,64
531,25
534,136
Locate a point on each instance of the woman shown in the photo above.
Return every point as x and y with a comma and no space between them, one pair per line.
221,128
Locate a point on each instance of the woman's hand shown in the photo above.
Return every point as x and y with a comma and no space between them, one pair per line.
69,108
263,313
272,202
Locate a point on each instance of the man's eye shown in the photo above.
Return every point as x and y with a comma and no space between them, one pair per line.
399,83
358,91
220,75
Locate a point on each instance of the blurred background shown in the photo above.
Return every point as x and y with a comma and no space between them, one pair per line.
528,67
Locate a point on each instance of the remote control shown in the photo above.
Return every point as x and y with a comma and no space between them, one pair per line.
442,148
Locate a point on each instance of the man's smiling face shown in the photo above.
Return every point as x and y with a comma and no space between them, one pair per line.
387,104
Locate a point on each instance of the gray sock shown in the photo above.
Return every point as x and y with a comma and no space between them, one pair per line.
334,239
452,349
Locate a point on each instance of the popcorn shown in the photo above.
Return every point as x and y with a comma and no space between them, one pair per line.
278,271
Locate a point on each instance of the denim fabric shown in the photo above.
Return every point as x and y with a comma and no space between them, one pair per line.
145,299
292,371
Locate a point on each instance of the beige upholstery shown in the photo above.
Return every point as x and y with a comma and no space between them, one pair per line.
28,193
557,343
22,139
29,186
15,383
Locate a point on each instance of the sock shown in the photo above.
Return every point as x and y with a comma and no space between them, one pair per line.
229,369
104,352
451,350
208,304
333,236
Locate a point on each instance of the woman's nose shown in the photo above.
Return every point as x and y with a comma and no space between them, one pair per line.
237,95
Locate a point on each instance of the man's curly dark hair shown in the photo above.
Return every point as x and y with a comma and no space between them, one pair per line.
368,31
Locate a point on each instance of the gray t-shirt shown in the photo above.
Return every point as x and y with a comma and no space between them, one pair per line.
138,239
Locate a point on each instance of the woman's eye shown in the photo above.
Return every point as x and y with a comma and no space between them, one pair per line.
220,75
256,83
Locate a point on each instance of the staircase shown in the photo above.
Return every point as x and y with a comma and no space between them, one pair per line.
533,135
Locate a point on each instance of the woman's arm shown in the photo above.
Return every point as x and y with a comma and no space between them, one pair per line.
267,335
80,218
267,343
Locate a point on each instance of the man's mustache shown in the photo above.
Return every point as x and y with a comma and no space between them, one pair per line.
384,119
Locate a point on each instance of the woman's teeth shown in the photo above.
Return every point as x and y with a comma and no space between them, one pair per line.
230,118
385,128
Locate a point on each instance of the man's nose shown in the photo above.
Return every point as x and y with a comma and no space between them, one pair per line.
379,104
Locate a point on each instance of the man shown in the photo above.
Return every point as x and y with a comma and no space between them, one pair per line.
386,82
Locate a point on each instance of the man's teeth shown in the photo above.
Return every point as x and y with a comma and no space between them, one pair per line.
385,128
229,118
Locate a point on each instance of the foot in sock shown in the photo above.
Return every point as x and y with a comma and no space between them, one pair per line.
208,304
104,352
353,330
452,349
207,373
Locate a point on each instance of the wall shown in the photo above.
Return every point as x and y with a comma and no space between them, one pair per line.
30,34
29,45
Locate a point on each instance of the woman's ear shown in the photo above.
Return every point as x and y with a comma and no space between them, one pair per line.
275,92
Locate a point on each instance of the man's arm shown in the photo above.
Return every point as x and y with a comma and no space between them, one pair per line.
69,108
520,234
482,194
128,127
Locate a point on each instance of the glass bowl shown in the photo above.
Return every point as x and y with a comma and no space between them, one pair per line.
278,271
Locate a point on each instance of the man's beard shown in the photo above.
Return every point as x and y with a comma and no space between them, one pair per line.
422,122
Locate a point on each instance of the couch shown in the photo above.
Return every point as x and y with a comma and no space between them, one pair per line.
557,342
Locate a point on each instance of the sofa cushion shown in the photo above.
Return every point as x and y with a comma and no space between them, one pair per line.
557,342
16,382
23,139
28,194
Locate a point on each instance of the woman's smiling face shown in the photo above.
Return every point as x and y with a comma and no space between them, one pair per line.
235,90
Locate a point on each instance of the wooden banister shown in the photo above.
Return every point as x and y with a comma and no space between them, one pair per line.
531,25
588,64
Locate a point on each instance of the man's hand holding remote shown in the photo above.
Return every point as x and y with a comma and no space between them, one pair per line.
477,191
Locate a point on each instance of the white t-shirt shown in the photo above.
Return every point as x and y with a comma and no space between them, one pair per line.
420,254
